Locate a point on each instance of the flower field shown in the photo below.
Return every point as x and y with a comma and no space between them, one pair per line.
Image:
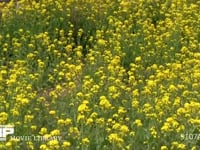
100,74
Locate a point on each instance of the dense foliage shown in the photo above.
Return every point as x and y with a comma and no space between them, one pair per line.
101,74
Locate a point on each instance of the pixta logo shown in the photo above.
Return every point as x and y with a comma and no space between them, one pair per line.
5,130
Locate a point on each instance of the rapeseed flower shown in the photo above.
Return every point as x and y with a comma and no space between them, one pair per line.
52,112
116,75
163,148
55,132
138,123
101,42
43,131
68,121
104,102
85,141
74,132
66,144
53,144
114,138
124,129
83,108
3,117
43,147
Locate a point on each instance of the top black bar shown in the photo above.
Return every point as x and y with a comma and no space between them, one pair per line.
5,1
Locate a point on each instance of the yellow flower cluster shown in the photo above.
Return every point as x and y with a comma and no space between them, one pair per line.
100,74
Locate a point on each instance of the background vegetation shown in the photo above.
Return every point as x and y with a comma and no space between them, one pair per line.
101,74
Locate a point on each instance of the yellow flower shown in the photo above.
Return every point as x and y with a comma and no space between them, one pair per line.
135,103
124,129
184,49
163,148
78,54
80,32
21,100
41,64
132,133
59,87
100,121
166,127
151,83
43,131
112,89
53,94
9,145
74,132
33,127
114,138
43,147
116,126
61,122
135,93
28,118
138,122
15,112
85,141
80,117
93,115
55,132
31,56
138,59
153,132
115,116
89,121
180,128
68,121
66,144
79,95
101,42
172,88
52,112
78,69
177,101
181,111
53,144
181,146
72,85
121,110
104,102
83,108
30,145
194,148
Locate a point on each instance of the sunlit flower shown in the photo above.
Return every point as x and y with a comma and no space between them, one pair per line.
104,102
52,112
66,144
55,132
114,138
85,141
163,148
138,122
43,147
43,131
53,144
68,121
101,42
124,129
83,108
